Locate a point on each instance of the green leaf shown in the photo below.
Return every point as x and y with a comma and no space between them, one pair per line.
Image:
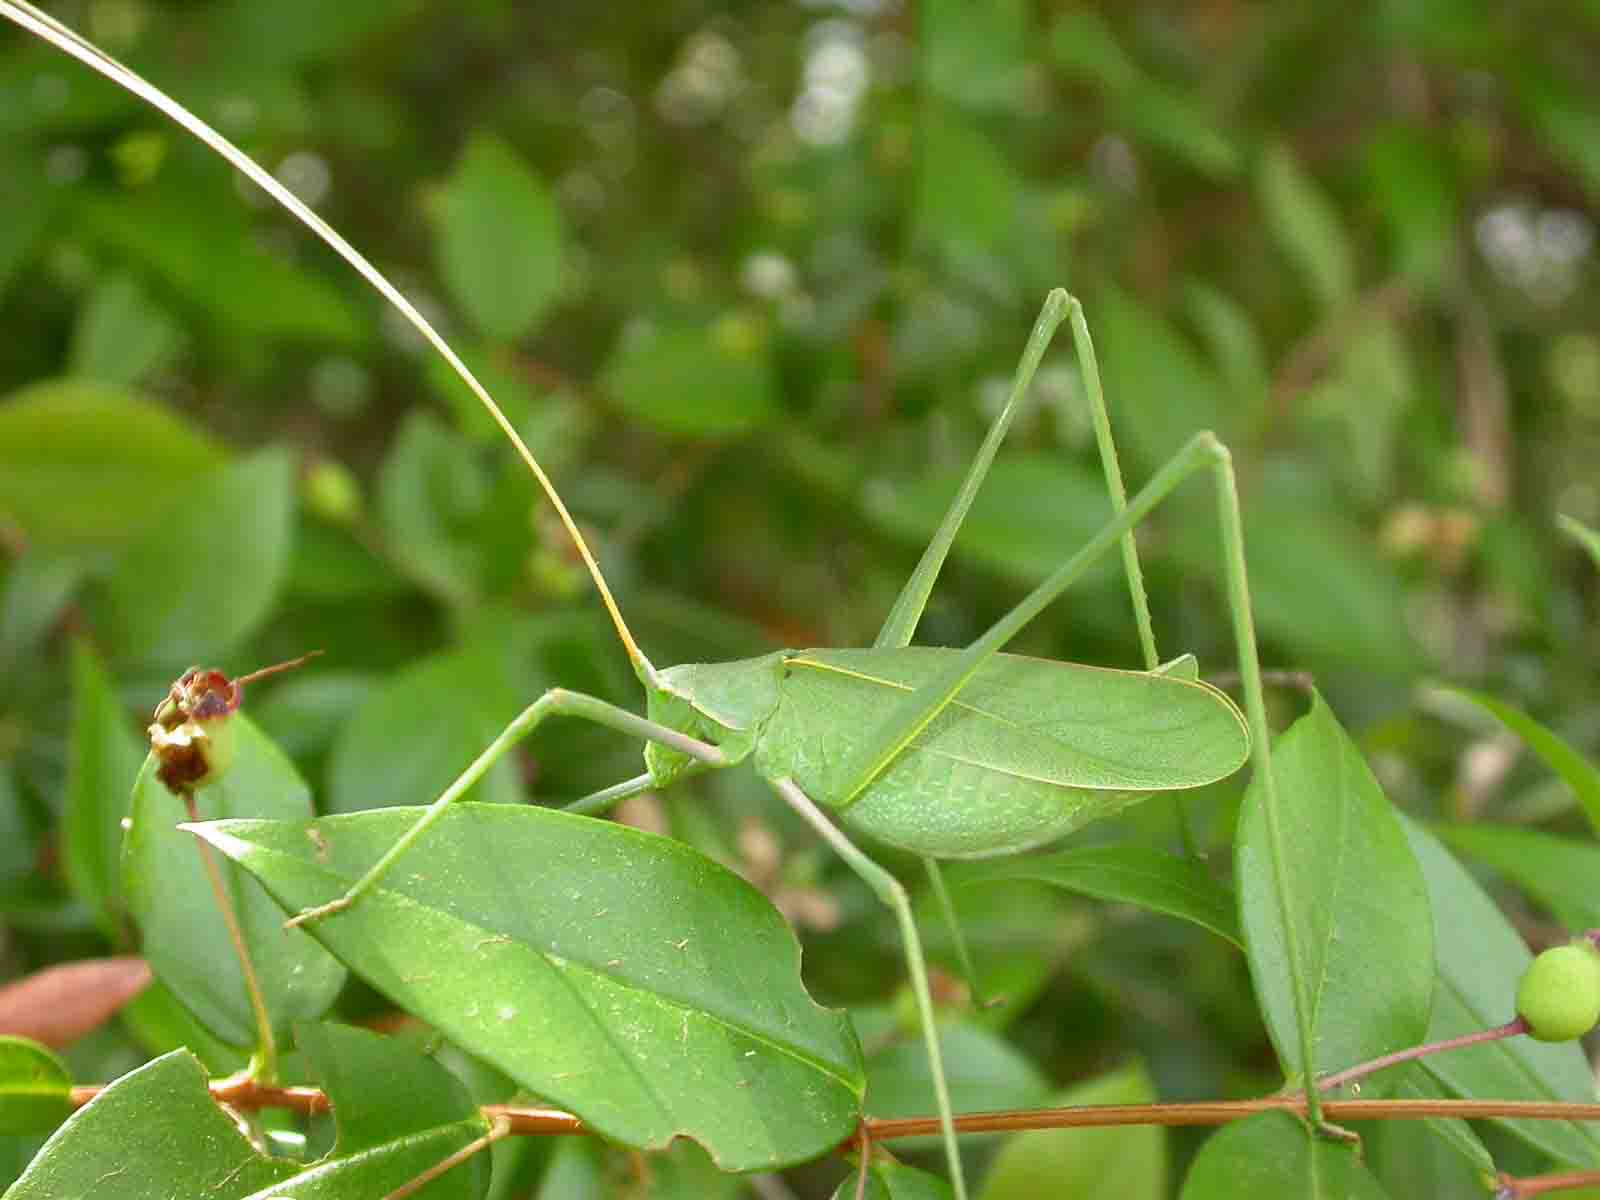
1412,189
576,1172
499,240
976,54
32,595
1274,1155
185,1144
122,334
686,1172
415,733
170,896
1451,1132
1356,411
398,1114
1159,390
1138,875
639,984
35,1088
968,197
1560,111
505,381
1575,770
1177,123
1317,583
1582,534
1480,959
694,380
188,228
1558,872
305,715
86,464
1129,1162
983,1070
331,566
160,1023
1307,226
1318,587
299,33
27,199
1086,48
444,512
1007,529
1233,342
1354,893
207,574
105,762
889,1180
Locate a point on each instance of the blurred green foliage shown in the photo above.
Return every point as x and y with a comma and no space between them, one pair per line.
751,279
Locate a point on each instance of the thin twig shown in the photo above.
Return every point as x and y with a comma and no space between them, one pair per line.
498,1128
1512,1028
268,1048
535,1121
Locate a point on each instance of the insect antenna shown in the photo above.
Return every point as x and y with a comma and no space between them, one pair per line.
65,39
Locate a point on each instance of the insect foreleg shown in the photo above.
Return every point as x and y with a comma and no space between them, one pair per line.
555,702
893,893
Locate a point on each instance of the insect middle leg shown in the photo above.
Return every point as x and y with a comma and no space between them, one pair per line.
893,893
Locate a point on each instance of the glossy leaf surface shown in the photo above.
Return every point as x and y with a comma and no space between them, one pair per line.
86,464
894,1181
170,897
398,1114
1559,872
1576,771
1272,1156
1354,894
208,572
410,737
35,1088
500,239
618,973
105,763
1126,875
1128,1161
183,1141
1481,958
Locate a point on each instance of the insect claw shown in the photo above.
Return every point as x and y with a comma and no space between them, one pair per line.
306,915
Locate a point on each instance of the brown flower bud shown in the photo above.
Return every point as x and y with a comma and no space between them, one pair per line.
193,734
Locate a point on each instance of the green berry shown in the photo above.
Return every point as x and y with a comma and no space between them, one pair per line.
1559,996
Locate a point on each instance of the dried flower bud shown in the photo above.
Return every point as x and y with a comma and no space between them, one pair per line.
193,735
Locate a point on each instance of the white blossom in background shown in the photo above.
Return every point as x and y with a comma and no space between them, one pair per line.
706,79
1540,251
835,78
768,275
307,175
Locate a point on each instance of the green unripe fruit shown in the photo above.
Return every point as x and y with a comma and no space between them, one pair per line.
1559,996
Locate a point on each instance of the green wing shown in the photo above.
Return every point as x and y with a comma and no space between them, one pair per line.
1028,751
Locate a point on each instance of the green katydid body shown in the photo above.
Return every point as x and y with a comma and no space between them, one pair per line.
1028,751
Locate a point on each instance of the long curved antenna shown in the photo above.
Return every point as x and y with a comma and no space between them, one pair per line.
44,26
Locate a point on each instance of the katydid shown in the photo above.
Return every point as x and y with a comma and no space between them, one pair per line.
945,753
